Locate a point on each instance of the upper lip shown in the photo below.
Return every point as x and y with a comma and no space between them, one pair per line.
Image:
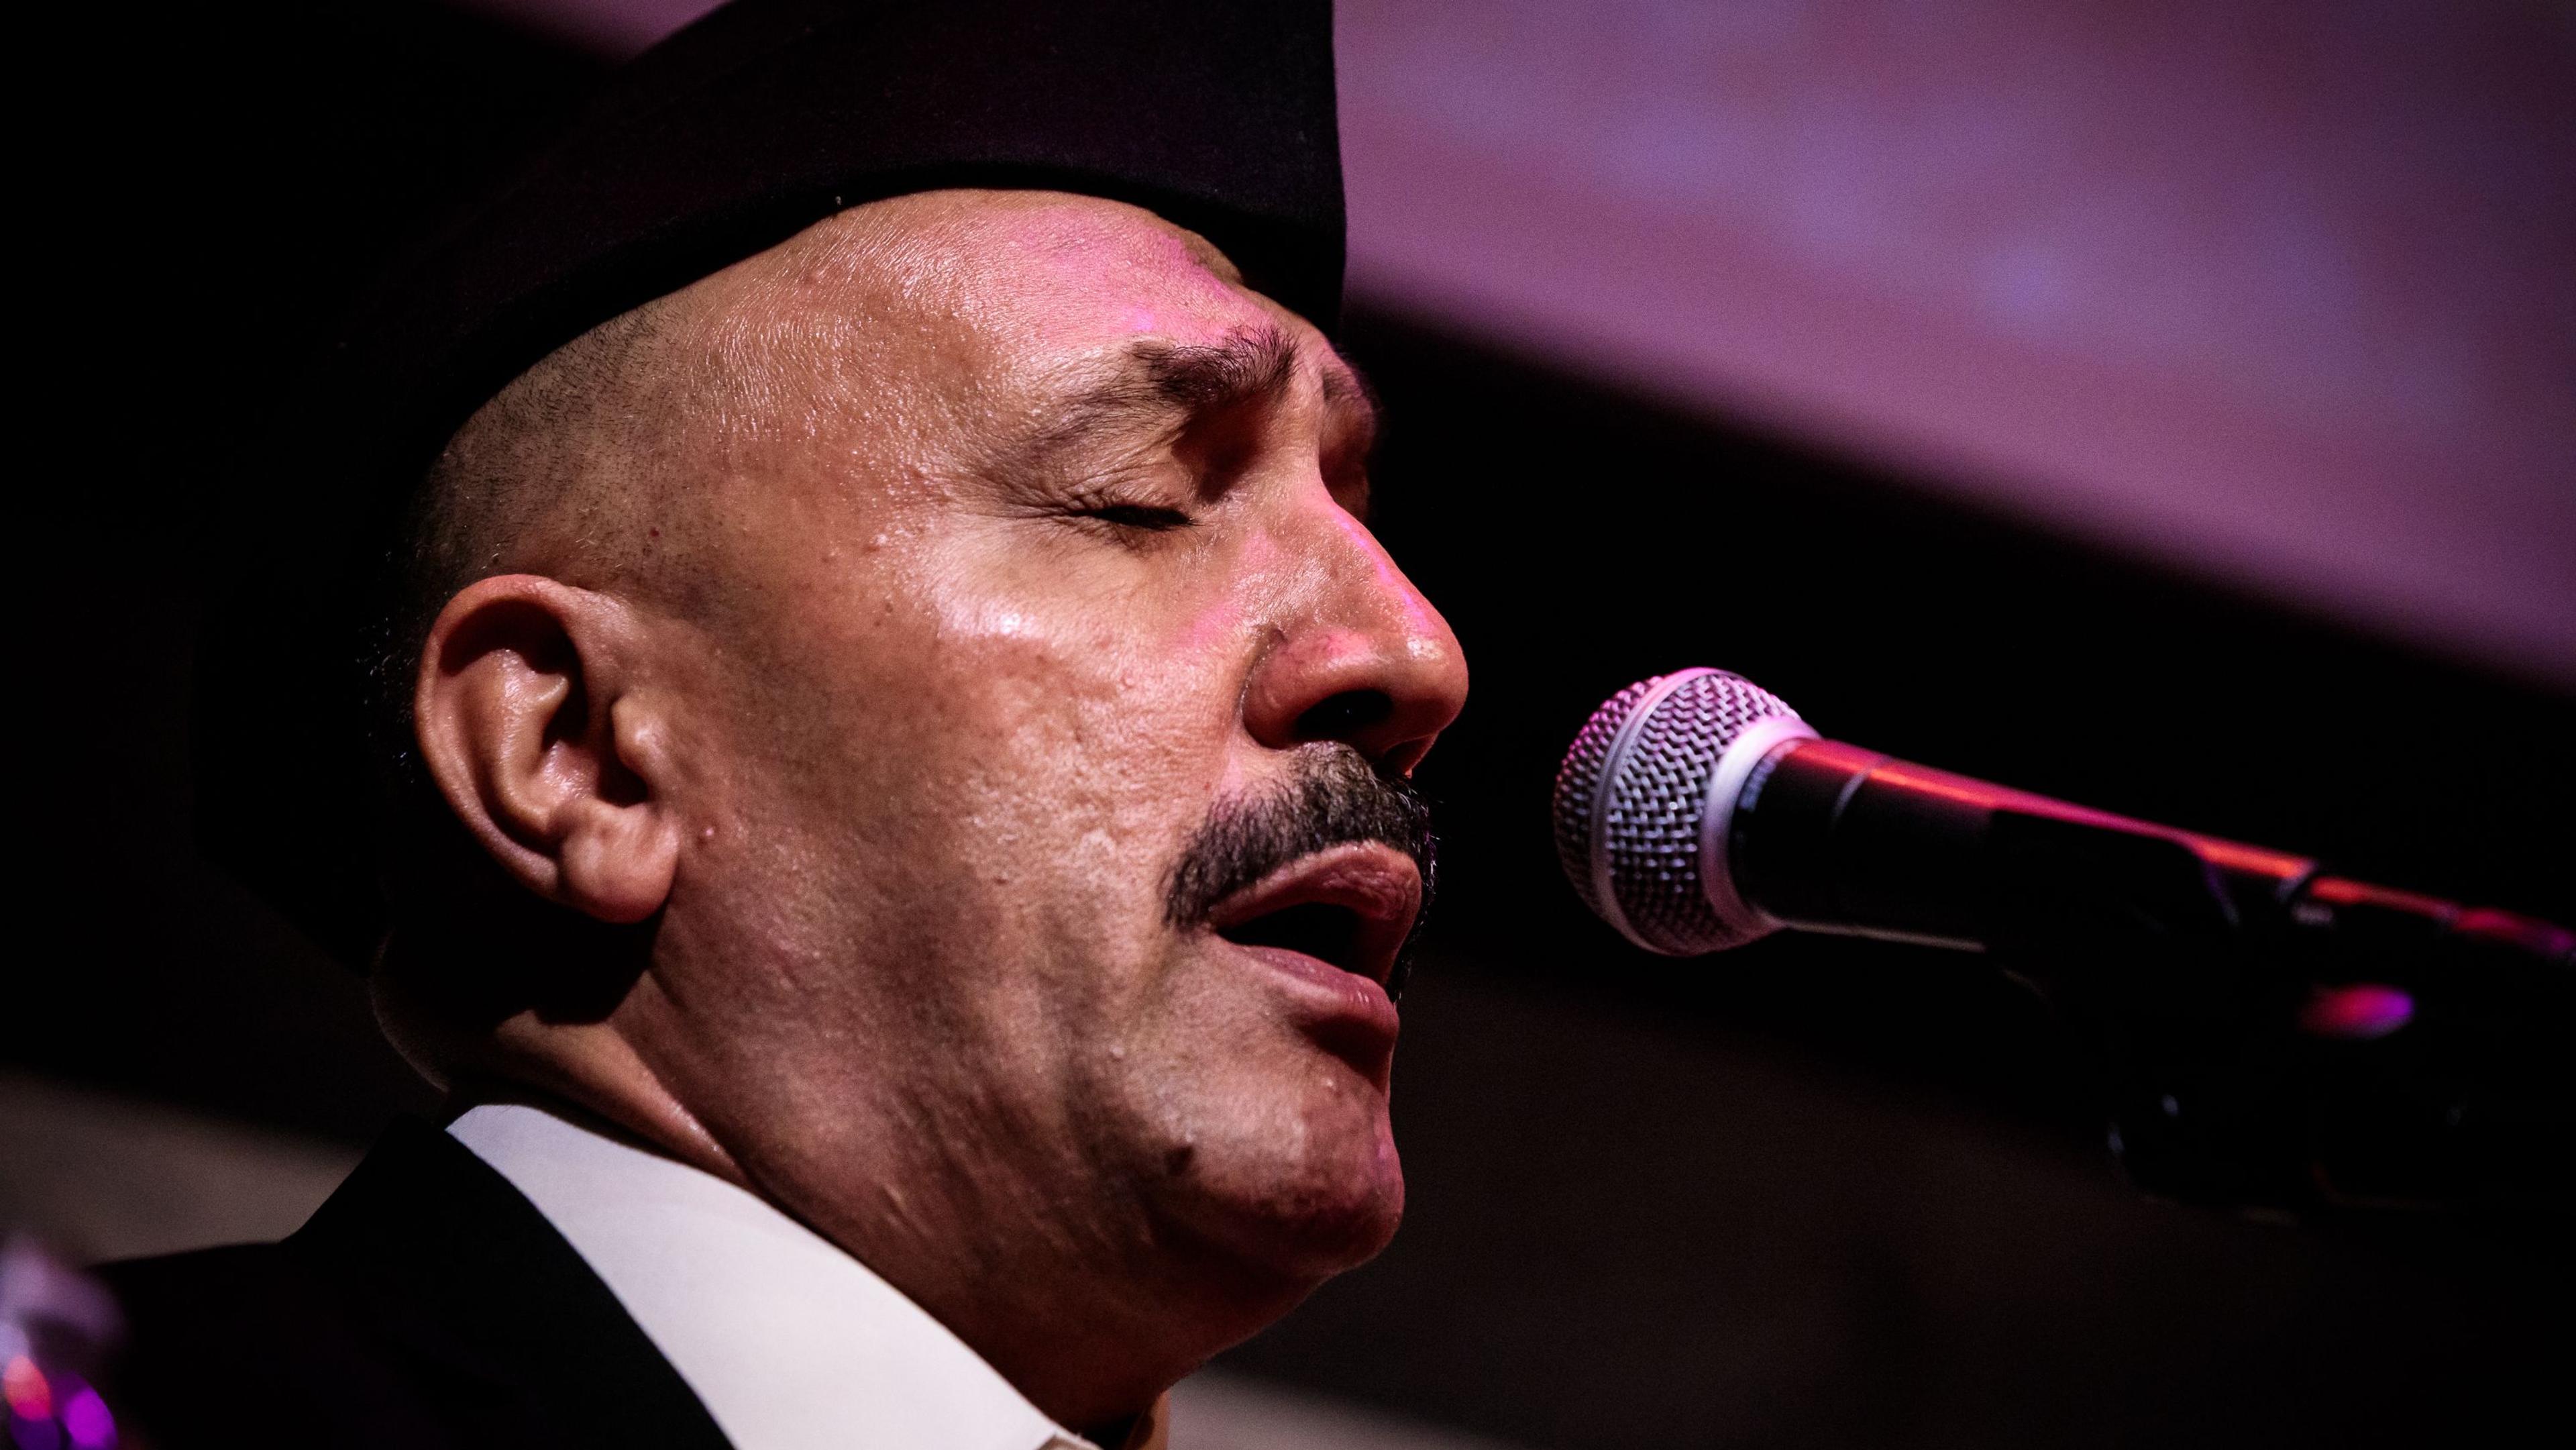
1372,892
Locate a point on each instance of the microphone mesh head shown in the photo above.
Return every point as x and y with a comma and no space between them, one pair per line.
1631,794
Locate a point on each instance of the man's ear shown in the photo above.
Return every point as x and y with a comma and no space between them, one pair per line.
530,719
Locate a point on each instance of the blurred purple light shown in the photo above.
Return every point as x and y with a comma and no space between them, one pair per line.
86,1418
28,1434
2277,292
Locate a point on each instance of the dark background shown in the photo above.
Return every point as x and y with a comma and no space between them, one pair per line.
1811,1192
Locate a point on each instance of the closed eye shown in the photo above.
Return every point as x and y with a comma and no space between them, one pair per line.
1146,518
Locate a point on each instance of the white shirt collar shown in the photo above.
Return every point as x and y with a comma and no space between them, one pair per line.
789,1342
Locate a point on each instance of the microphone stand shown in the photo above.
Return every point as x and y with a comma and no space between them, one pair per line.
2304,1047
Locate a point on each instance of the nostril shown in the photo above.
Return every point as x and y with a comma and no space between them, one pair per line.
1345,715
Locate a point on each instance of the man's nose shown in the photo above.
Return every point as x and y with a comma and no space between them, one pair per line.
1373,666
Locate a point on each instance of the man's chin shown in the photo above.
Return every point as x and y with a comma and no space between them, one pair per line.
1271,1150
1303,1221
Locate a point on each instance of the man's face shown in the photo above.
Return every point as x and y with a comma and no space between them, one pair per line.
1036,642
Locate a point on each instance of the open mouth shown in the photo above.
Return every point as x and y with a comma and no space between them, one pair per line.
1349,906
1320,929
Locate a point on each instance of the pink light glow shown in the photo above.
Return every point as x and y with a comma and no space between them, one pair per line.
24,1386
2363,1013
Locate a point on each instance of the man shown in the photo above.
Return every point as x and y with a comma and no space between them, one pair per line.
896,735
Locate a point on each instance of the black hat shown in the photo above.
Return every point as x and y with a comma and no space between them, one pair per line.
731,136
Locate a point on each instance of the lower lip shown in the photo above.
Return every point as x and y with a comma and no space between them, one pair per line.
1358,1010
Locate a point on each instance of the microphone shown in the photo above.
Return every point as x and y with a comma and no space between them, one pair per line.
2275,1038
1697,812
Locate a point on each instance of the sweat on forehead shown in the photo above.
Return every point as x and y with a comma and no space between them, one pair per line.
912,293
982,323
1028,267
597,463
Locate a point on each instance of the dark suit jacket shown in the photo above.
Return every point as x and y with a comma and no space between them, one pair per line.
427,1304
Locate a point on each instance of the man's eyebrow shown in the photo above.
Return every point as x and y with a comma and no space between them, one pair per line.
1159,381
1247,367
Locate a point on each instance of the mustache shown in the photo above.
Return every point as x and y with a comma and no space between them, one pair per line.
1335,798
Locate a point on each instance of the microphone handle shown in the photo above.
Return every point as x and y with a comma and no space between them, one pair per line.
2278,1037
1831,837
